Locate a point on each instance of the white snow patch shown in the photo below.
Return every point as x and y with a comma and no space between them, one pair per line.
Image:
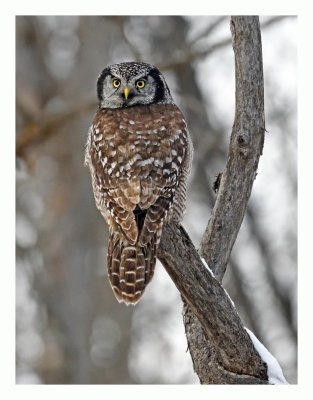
211,272
229,298
207,267
274,371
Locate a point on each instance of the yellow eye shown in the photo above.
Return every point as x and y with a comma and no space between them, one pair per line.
140,84
116,83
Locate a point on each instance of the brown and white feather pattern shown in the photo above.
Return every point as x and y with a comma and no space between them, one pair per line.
139,159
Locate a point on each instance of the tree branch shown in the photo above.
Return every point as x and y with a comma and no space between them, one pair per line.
245,149
221,349
209,302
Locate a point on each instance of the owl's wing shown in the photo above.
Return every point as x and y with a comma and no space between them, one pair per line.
120,203
115,198
179,201
156,215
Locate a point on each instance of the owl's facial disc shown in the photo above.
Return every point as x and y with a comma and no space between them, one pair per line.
131,84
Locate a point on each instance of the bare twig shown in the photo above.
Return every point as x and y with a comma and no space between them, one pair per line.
281,295
44,126
208,30
191,54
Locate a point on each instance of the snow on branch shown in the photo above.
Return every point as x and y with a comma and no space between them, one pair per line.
274,371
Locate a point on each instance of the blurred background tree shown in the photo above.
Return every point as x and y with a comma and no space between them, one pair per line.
70,329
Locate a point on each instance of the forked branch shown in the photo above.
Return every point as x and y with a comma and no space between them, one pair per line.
220,347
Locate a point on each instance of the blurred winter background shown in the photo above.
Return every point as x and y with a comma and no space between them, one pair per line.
69,327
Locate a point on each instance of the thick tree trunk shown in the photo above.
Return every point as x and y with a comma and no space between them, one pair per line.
220,347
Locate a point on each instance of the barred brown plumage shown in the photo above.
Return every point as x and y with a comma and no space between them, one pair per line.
139,153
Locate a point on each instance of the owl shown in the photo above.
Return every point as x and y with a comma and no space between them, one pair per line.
139,154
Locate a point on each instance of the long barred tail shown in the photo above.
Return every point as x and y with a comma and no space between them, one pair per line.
130,267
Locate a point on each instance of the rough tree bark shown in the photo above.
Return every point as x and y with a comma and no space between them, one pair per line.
221,350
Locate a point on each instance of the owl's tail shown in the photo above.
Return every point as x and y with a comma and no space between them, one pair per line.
130,267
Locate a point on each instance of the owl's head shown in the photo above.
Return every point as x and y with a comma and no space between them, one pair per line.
131,84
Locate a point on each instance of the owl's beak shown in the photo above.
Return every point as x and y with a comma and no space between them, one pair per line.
126,92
